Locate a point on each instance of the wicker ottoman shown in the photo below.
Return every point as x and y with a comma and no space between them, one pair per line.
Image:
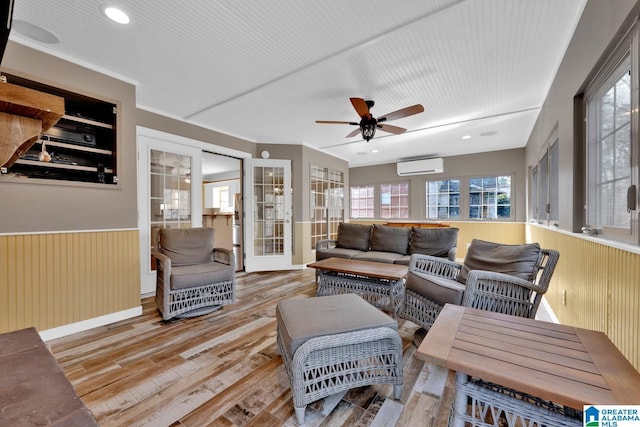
334,343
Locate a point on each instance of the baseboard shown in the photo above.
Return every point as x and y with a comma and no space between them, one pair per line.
84,325
549,311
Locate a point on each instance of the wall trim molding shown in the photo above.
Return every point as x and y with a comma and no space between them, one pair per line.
31,233
84,325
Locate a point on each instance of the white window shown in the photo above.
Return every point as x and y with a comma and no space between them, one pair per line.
394,200
327,202
611,143
490,197
443,199
362,201
544,184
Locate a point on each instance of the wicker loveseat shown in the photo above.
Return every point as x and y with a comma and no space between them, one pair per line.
393,245
193,277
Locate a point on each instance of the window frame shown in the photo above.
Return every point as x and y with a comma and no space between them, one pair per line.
326,210
367,188
438,206
625,58
397,197
481,205
546,183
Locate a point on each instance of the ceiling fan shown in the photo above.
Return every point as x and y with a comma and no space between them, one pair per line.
368,124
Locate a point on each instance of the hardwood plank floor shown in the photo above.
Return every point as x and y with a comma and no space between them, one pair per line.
223,369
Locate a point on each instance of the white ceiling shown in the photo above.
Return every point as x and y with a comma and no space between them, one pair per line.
266,70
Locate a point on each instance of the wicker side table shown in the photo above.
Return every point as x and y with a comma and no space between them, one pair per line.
336,343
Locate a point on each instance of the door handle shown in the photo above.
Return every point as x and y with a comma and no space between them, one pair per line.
631,198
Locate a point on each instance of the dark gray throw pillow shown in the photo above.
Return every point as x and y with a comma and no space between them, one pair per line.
515,260
390,239
434,241
353,236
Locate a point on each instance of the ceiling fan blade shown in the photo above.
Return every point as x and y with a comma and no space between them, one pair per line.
392,129
354,133
404,112
335,122
361,107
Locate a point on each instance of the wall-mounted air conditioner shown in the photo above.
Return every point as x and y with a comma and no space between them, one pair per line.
420,167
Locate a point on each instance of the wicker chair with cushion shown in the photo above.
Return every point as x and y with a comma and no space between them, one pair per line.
508,279
193,277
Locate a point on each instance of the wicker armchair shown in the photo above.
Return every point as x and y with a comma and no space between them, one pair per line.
193,277
508,279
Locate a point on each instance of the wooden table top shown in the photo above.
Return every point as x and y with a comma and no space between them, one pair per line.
566,365
365,268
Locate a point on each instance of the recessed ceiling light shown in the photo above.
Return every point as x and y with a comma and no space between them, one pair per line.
466,137
374,151
116,15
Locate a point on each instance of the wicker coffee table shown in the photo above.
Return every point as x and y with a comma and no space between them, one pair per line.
378,283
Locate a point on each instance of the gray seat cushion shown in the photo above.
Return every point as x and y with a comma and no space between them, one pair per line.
337,253
187,246
386,257
300,319
353,236
516,260
436,288
403,260
390,239
434,241
189,276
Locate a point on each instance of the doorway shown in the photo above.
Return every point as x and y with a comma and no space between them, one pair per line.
222,201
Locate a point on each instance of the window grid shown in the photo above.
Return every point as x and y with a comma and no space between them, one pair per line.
443,199
610,151
327,203
362,201
394,200
490,197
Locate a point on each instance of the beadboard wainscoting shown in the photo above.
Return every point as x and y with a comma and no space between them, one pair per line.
51,280
595,286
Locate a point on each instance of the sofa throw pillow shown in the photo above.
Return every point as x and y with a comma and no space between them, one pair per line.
517,260
187,246
390,239
434,241
353,236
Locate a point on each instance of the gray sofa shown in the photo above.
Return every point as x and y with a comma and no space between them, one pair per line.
393,245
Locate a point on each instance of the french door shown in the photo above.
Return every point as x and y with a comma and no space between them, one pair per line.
169,194
267,206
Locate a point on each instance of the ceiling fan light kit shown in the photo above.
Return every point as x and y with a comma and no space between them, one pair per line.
368,124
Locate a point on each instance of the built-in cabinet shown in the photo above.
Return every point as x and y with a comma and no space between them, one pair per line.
80,147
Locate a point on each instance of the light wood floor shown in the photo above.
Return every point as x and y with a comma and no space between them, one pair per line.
223,369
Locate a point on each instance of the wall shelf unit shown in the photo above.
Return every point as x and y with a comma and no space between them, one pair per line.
80,147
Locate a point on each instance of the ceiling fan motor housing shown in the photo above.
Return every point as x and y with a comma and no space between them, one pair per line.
368,128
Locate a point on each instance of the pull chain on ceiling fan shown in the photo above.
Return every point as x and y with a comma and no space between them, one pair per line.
368,124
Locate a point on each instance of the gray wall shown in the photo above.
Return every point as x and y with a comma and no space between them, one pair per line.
176,127
492,163
601,21
54,206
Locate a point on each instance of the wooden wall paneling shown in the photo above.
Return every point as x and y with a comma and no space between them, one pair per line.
601,284
49,280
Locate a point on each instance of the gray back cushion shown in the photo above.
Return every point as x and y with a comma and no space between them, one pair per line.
187,246
515,260
353,236
434,241
390,239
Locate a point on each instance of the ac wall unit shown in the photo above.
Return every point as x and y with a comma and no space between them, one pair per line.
420,167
